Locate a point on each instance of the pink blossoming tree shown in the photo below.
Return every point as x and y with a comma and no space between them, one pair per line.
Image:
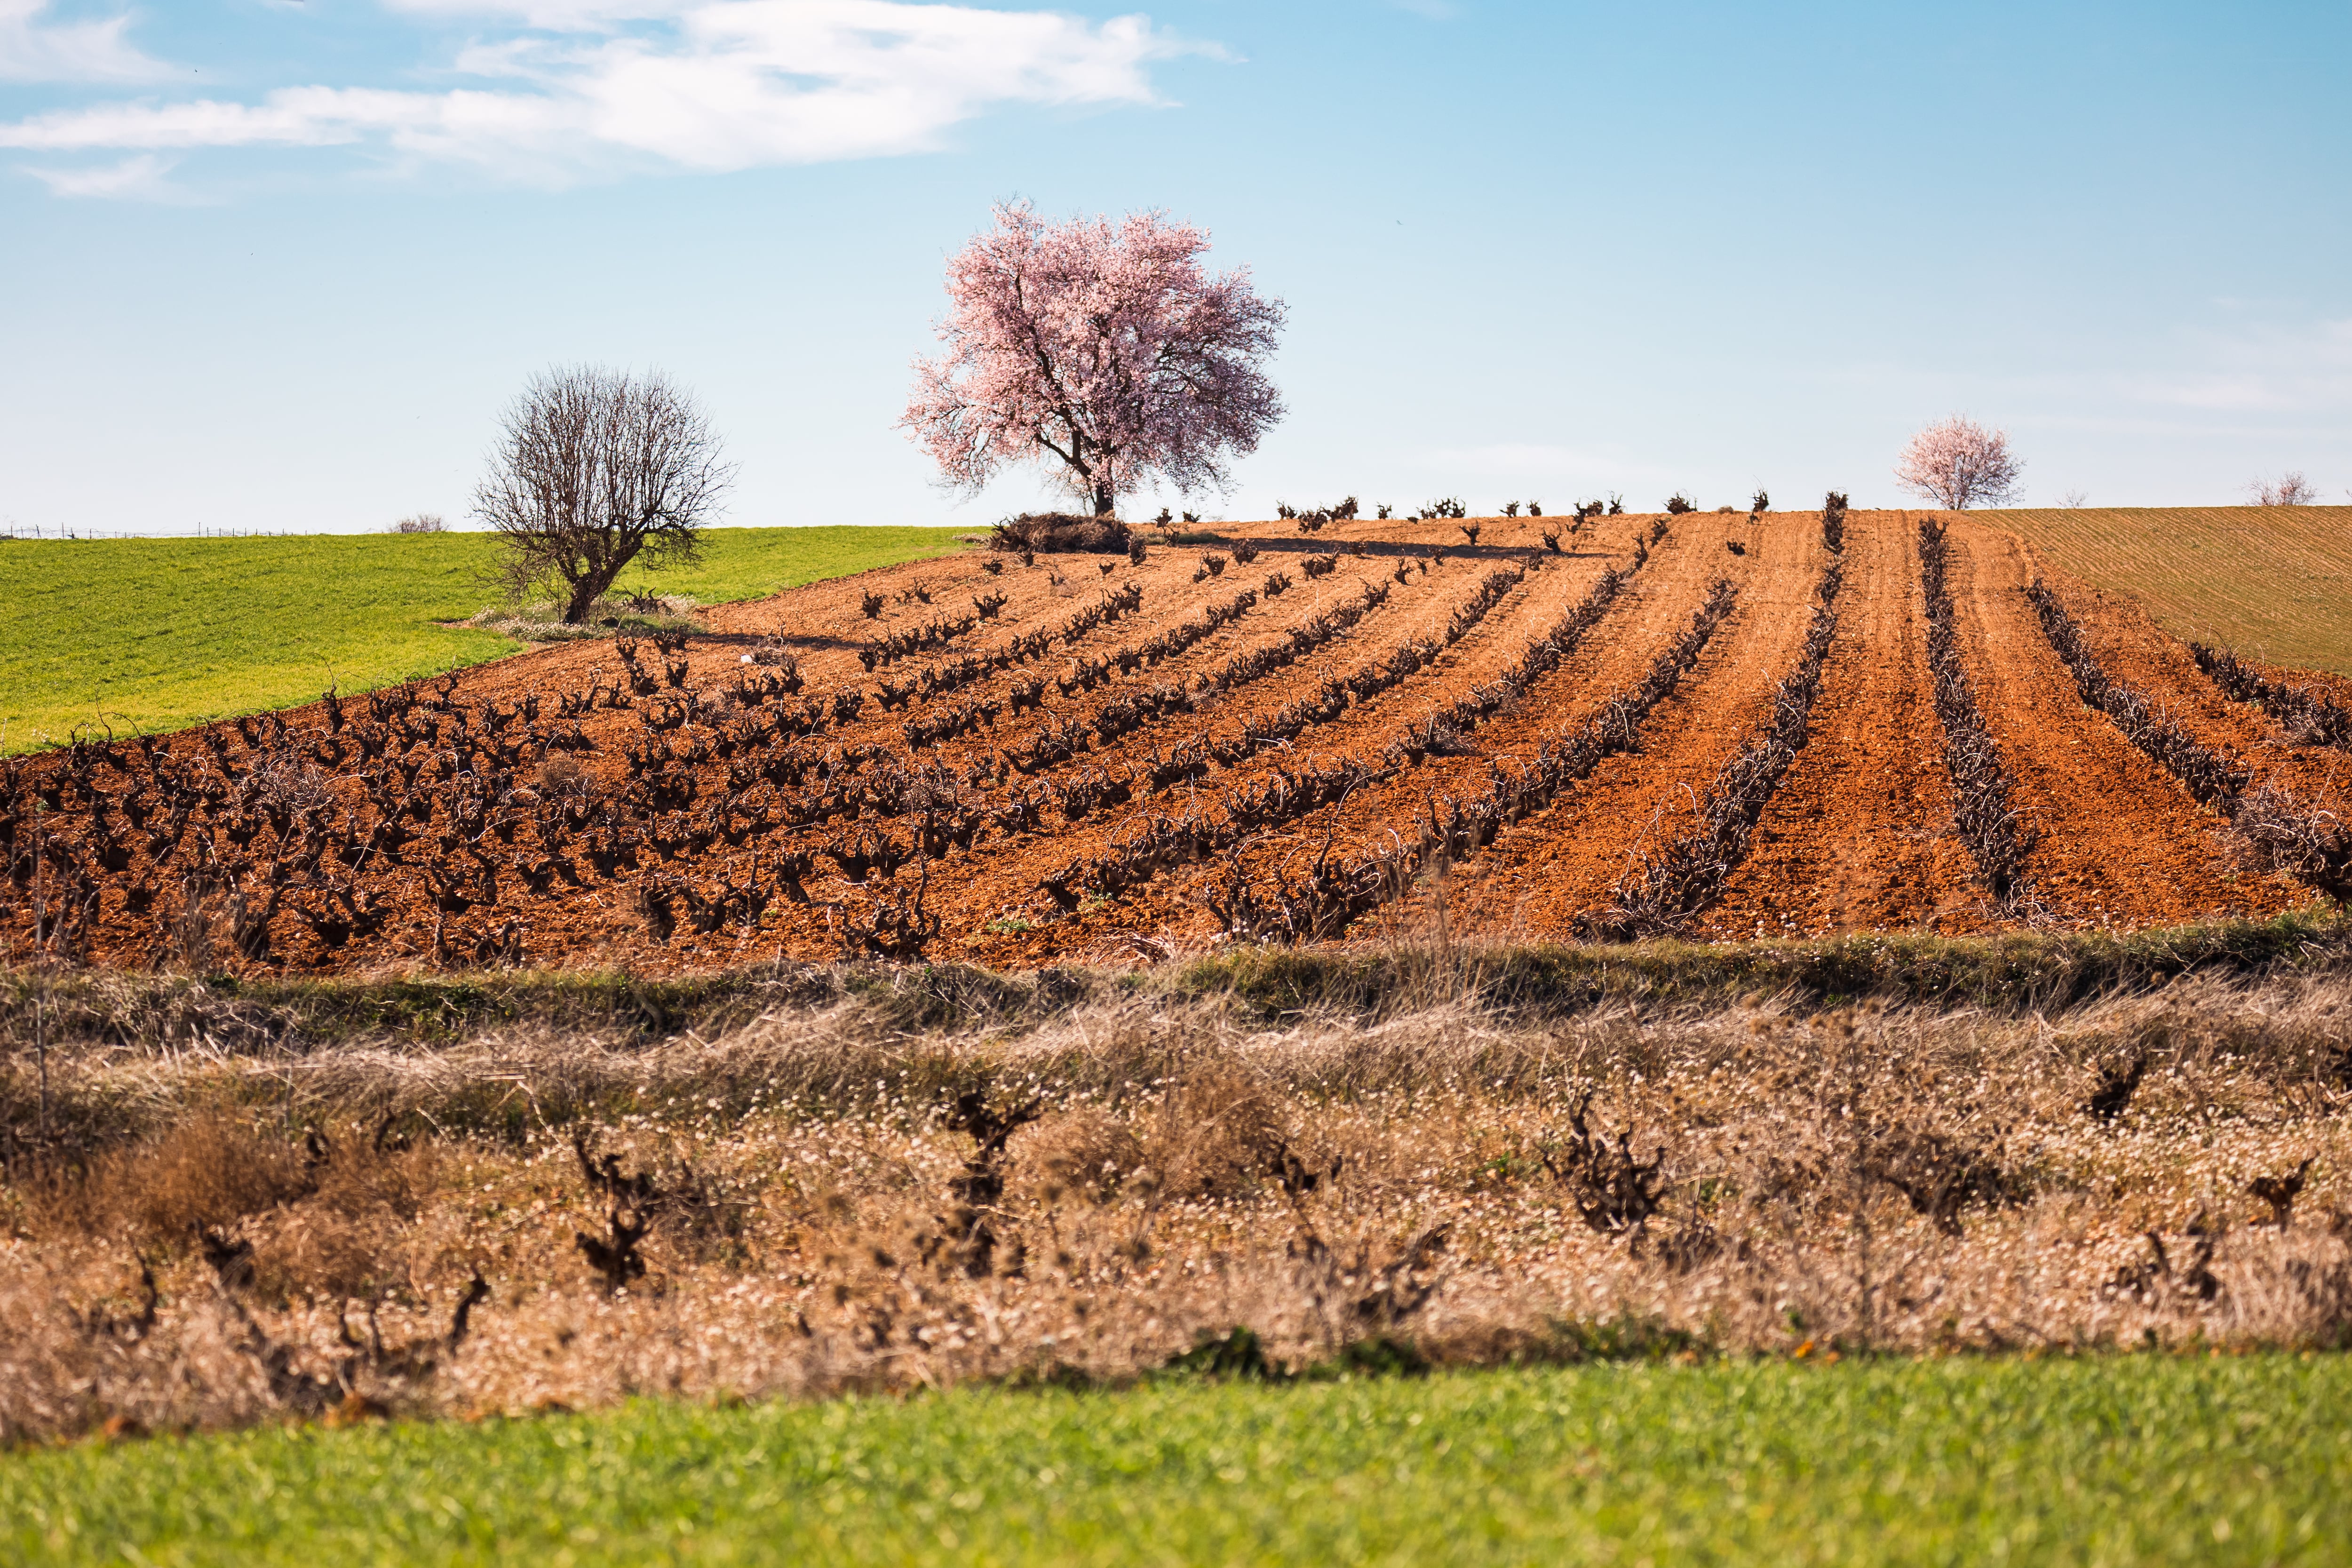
1109,352
1957,463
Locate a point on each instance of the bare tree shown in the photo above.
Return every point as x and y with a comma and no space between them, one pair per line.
1957,463
2287,490
598,468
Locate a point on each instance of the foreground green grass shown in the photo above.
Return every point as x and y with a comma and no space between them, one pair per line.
2103,1460
152,634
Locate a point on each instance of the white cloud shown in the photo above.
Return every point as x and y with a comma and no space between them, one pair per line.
559,15
699,84
32,49
140,177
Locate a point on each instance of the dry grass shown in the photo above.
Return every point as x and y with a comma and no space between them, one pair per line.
2271,582
824,1197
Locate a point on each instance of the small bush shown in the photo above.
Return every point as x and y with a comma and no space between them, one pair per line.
1679,504
544,622
422,522
1063,533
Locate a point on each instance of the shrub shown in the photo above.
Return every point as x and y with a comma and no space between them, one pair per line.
1063,532
2287,490
1678,503
422,522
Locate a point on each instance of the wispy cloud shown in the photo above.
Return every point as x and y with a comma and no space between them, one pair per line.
592,88
143,176
2275,369
35,47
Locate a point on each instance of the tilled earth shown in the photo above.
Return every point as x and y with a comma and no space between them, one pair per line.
1084,759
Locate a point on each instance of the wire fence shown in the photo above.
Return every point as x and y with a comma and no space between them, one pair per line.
34,530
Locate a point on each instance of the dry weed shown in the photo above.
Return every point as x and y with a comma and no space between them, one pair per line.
822,1198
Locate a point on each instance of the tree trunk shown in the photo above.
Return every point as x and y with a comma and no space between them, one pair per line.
1104,501
583,599
596,577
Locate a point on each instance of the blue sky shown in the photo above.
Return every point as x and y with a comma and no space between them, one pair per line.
277,264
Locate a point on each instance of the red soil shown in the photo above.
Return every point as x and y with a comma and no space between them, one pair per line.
1857,836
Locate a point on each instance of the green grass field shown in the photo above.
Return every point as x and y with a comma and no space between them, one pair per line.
2116,1460
2273,583
152,634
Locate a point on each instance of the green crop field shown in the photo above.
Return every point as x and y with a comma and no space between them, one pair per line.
2113,1459
2273,583
152,634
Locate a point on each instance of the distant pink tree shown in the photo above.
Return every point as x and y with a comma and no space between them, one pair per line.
2287,490
1957,463
1109,352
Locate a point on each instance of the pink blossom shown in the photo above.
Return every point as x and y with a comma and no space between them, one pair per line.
1957,463
1110,353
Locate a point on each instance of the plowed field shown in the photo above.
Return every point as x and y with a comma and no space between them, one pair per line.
1120,762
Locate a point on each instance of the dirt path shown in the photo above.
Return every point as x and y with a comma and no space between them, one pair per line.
1858,835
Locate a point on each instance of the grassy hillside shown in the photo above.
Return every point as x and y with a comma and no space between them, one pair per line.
157,633
2273,583
2109,1459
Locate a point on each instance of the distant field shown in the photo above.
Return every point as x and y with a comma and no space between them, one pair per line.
2104,1461
2273,583
154,634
